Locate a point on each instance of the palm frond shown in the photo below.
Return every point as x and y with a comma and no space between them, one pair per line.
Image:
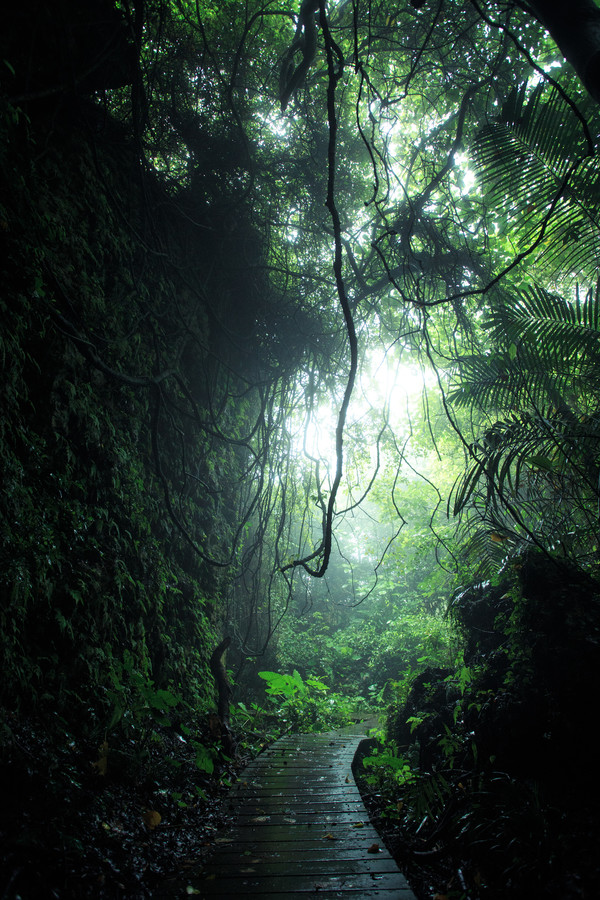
536,315
508,381
538,464
535,166
482,381
487,544
548,353
554,341
531,450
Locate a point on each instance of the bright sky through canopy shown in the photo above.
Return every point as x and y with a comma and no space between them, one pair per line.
387,389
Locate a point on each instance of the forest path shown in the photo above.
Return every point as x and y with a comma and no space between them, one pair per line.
301,828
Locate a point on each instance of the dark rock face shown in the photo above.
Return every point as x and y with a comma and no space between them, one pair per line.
507,779
430,700
533,646
481,612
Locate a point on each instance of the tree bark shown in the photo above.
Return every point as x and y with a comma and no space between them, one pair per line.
575,28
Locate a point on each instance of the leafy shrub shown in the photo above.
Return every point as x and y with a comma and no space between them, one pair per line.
308,704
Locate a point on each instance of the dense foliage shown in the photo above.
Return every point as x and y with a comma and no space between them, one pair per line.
299,338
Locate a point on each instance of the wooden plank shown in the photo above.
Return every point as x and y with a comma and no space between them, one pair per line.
334,836
301,851
362,894
318,788
249,787
281,806
352,818
300,776
317,782
299,883
327,866
306,795
318,839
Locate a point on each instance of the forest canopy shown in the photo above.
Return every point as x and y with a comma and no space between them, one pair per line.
300,336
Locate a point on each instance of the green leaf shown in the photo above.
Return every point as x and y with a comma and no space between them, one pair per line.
204,760
318,685
165,700
540,462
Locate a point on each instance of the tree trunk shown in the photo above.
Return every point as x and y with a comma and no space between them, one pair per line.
217,667
575,28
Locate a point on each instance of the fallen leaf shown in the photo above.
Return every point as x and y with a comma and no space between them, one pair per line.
151,818
347,779
329,837
359,825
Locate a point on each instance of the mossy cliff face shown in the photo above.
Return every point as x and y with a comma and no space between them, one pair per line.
113,557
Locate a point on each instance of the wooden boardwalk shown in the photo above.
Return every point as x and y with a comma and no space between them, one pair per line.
302,829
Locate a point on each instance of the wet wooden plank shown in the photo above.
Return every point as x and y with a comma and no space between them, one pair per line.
302,838
338,845
327,865
362,894
324,831
295,816
301,829
353,818
306,787
304,851
300,883
269,804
